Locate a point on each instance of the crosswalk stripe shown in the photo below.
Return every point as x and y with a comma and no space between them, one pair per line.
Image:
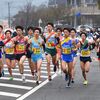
43,64
35,89
17,79
28,70
17,74
44,60
9,94
42,67
15,86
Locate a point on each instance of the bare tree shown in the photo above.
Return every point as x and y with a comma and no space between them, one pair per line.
29,14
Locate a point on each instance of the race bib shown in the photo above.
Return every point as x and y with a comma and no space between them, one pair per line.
20,47
36,50
50,44
9,50
85,52
66,51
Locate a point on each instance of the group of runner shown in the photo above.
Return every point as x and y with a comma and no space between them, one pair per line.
60,45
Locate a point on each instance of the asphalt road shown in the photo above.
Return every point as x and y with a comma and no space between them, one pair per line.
12,90
54,90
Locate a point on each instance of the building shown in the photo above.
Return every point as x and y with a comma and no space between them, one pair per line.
84,12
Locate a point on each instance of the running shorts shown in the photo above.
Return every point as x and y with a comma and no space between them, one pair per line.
52,52
18,56
85,59
10,56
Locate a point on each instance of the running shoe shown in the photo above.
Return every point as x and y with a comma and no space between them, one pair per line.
68,85
37,82
11,78
50,79
85,82
23,79
73,81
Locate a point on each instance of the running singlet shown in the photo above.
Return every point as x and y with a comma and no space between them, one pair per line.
51,42
85,51
36,48
66,46
8,48
21,46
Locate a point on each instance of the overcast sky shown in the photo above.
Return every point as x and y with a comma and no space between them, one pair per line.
15,6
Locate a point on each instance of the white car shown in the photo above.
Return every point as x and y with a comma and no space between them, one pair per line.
83,27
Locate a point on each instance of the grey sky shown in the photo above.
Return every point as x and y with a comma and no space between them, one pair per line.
15,6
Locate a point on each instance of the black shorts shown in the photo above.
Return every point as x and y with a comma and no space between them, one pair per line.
85,59
28,54
18,56
10,56
98,54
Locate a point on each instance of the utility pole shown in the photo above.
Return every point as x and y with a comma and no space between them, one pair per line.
9,16
75,18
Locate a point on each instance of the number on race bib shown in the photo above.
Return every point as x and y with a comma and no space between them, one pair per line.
85,52
66,51
50,44
9,50
36,50
20,47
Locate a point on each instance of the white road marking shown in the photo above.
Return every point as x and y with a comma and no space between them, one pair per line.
17,79
35,89
15,86
18,74
9,94
43,64
27,70
42,67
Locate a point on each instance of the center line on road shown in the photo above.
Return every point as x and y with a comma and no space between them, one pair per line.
35,89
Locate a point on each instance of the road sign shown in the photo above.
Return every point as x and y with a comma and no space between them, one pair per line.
40,21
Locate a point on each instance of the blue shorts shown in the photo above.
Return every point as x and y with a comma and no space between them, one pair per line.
0,55
67,58
10,56
35,58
